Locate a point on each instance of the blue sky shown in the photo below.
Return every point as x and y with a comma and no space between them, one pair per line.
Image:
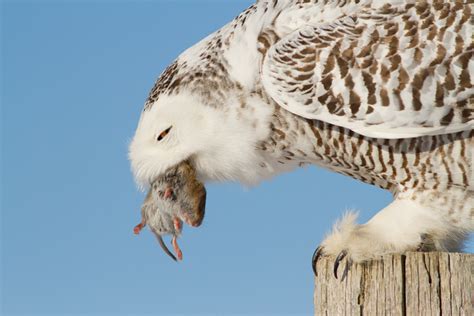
75,76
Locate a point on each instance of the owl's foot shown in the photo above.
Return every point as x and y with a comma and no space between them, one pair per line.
359,243
400,227
425,246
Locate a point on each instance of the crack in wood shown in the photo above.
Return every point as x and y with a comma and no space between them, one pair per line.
399,285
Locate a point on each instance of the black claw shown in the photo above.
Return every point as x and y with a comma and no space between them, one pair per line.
346,269
339,258
316,255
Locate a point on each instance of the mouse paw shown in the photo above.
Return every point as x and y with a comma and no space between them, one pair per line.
178,225
138,228
177,250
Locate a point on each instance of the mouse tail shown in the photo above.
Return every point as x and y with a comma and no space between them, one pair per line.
165,249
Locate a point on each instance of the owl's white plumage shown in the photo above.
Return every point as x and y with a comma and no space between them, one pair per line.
377,90
221,147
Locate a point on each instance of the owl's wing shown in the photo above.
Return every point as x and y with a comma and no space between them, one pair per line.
386,74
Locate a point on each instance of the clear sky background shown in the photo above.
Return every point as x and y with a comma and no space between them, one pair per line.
75,75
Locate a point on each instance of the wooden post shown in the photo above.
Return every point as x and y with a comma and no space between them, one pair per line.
429,283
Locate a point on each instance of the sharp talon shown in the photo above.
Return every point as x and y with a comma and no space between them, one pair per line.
346,269
341,256
316,255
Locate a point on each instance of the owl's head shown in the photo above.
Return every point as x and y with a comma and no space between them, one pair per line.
220,142
172,130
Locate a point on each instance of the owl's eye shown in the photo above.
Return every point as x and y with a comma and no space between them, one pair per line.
164,133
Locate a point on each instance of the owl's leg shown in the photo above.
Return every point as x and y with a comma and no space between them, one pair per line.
404,225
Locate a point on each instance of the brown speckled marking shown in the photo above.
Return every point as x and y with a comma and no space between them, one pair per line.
421,163
407,35
406,65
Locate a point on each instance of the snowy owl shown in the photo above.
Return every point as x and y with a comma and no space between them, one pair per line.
381,91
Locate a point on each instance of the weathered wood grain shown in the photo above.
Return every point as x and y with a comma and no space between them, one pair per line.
413,284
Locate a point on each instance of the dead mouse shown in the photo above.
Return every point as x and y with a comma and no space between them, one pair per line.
183,195
175,197
161,223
